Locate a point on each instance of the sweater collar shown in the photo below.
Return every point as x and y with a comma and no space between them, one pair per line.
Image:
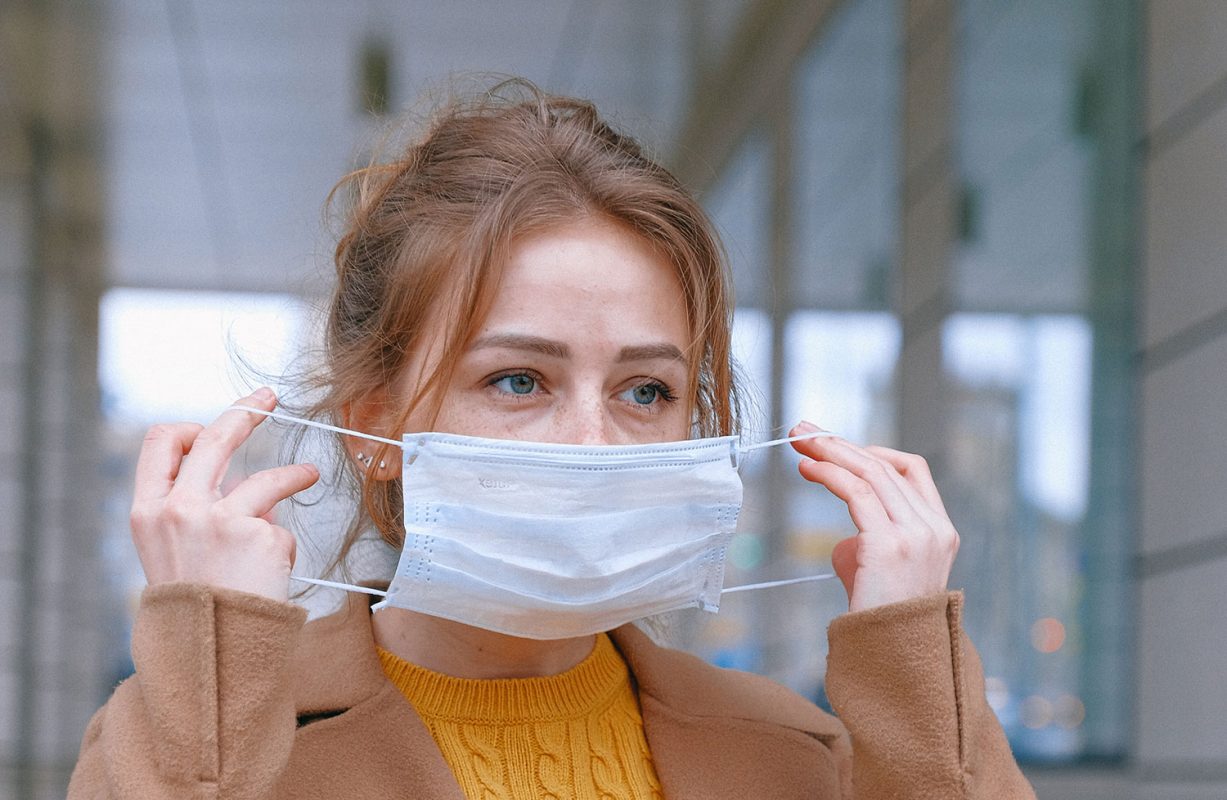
337,667
577,692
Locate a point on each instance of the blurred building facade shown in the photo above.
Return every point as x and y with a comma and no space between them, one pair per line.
53,613
986,231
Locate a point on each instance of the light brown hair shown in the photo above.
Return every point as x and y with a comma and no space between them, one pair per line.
433,228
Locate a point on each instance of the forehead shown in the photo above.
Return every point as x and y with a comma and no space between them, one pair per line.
575,250
589,274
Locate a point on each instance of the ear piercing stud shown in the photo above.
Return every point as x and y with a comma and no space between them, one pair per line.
365,460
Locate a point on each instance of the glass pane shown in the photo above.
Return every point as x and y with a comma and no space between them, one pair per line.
1023,154
1030,377
845,384
1017,486
847,138
740,205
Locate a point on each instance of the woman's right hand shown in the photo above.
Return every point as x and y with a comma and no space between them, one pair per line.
185,529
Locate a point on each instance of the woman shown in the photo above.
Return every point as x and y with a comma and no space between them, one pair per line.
523,273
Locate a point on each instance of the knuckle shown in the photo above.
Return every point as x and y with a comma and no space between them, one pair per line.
283,540
876,471
140,516
178,512
861,490
157,433
943,531
217,516
166,430
211,436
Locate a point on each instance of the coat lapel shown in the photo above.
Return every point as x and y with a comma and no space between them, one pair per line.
358,737
336,666
718,734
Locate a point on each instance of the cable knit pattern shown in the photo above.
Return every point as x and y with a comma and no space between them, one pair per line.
574,735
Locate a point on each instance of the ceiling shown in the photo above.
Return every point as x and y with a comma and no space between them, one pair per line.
227,122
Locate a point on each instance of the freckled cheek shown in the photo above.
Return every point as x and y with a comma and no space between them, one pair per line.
457,416
473,417
678,428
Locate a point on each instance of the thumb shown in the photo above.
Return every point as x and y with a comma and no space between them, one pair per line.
843,559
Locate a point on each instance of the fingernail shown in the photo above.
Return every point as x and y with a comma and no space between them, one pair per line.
264,393
807,427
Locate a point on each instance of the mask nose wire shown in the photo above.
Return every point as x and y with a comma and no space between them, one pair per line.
314,424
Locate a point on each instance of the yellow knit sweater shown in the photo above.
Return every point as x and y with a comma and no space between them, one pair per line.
574,735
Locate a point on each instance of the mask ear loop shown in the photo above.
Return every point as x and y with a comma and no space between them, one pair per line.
315,424
737,451
750,587
740,449
349,587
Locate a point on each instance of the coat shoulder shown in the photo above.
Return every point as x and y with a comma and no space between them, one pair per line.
690,686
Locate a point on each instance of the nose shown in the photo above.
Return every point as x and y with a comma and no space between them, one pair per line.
585,421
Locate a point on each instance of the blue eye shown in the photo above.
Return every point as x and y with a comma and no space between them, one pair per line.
648,395
516,384
645,395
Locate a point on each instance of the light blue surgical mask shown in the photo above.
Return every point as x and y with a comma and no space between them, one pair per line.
553,541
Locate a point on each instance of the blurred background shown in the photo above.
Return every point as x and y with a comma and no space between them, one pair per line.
987,231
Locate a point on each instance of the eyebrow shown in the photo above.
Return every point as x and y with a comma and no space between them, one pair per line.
651,352
556,349
519,341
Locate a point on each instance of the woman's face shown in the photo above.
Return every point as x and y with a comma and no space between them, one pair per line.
585,343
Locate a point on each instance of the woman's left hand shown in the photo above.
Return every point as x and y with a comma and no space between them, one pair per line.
905,543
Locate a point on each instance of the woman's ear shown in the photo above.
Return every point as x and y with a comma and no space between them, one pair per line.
374,414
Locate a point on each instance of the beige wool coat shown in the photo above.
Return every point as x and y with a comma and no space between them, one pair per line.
234,697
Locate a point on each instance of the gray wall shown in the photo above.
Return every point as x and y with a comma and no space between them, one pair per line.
51,229
1180,726
1182,639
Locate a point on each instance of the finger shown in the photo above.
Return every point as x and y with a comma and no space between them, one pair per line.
918,506
915,470
899,499
293,544
210,456
162,452
864,505
843,560
259,493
